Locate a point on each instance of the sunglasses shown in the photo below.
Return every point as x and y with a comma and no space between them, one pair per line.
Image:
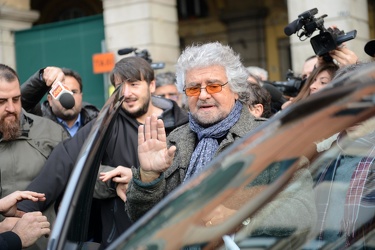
210,89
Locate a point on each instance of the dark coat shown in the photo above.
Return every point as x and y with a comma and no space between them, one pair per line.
10,241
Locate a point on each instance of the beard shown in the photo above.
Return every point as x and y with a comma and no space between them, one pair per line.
142,110
10,130
66,115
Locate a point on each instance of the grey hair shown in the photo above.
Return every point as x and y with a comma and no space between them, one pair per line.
211,54
261,73
165,78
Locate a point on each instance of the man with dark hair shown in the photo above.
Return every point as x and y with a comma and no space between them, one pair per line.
258,100
40,83
138,83
26,142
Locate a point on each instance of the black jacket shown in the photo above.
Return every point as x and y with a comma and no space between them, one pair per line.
121,150
32,92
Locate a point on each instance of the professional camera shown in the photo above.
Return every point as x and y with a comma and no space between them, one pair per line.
144,54
327,40
291,86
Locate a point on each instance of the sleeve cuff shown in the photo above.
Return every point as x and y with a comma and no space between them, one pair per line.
138,182
41,71
12,240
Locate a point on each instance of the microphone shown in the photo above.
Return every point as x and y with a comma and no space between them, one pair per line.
63,95
125,51
293,27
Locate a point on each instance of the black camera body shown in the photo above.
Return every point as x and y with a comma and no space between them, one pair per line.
327,39
144,54
291,86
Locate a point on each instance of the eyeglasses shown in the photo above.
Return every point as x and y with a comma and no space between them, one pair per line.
211,89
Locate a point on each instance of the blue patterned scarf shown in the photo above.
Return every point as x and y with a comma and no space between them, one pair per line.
208,144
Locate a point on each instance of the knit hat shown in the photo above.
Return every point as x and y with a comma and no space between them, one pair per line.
370,48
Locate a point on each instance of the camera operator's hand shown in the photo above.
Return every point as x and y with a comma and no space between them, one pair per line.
343,56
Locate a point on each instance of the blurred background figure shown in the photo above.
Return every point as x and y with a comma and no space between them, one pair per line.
260,73
259,76
258,100
166,87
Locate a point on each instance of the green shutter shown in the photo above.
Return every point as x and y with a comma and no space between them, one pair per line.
69,44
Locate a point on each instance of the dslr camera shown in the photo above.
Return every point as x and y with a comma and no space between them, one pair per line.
291,86
327,40
144,54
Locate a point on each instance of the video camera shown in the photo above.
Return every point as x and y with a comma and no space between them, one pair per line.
291,86
144,54
327,40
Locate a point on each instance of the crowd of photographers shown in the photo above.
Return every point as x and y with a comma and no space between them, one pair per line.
316,73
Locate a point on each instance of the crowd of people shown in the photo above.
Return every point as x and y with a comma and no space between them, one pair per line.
169,128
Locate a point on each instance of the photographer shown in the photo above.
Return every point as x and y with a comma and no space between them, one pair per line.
328,45
318,78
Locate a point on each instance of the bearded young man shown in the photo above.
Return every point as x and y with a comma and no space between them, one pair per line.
138,83
26,141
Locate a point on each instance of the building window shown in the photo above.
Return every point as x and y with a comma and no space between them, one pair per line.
191,9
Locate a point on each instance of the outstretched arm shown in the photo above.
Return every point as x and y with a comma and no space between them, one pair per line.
8,204
34,89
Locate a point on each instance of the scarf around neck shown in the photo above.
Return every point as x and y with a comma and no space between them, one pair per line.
207,137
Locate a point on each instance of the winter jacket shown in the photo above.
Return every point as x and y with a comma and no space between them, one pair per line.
22,159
